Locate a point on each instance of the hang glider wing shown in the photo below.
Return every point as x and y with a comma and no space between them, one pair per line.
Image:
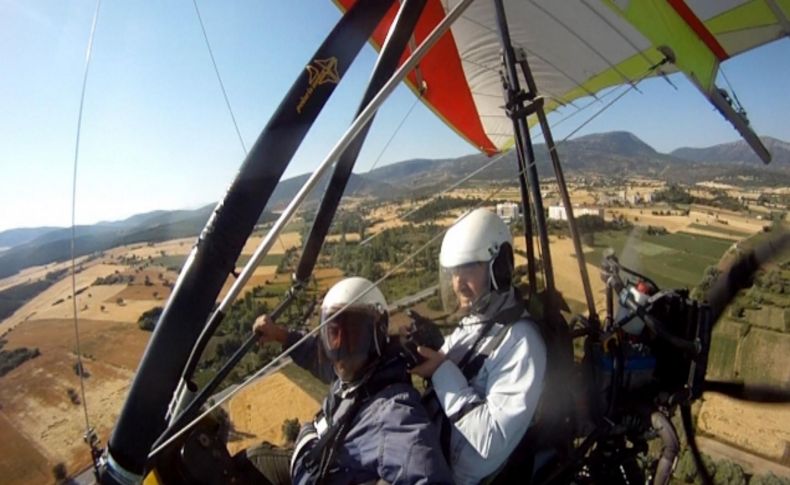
577,48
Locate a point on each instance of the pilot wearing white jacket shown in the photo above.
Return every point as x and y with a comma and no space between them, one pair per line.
488,375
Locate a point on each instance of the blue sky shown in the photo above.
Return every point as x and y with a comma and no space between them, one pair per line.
156,133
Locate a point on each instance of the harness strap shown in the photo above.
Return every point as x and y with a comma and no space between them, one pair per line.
322,455
470,365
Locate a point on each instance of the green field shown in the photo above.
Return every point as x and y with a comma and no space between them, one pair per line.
720,229
722,360
764,358
671,260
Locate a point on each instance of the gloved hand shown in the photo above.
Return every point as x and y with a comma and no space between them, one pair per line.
422,332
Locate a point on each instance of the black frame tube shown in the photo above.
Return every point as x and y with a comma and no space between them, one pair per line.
396,42
518,113
563,187
142,419
403,26
526,207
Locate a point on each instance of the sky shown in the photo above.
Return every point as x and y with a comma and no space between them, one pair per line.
156,133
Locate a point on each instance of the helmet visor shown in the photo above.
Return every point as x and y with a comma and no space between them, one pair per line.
463,287
348,335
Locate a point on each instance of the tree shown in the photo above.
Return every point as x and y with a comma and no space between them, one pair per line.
686,469
291,430
729,473
149,318
769,479
60,473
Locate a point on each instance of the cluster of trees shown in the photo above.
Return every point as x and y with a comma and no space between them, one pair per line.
669,213
438,207
386,250
768,288
291,429
346,222
724,201
236,327
288,262
656,230
773,280
723,472
114,279
148,319
708,278
11,359
674,194
13,298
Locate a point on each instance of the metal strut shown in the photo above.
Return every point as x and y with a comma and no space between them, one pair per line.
518,112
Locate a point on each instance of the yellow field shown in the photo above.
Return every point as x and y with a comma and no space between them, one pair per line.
259,410
37,416
761,428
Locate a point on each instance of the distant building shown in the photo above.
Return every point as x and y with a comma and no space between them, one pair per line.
557,212
508,211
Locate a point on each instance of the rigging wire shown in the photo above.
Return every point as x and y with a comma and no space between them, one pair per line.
219,78
497,159
275,361
224,91
90,436
394,133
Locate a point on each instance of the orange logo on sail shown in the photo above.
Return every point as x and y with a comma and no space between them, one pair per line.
320,71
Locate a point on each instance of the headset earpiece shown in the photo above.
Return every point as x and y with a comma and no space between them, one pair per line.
502,268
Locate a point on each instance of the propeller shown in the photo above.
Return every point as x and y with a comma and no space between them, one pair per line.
738,276
751,393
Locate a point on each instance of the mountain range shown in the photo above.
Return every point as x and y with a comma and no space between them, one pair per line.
613,154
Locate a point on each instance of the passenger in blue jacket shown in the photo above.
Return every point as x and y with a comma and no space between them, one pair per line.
371,427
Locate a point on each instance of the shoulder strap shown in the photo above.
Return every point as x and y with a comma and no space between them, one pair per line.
322,455
473,359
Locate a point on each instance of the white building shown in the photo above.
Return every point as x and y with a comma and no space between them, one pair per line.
508,211
557,212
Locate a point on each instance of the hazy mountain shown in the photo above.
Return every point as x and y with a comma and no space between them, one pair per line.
610,154
358,185
55,244
15,237
154,226
606,153
738,152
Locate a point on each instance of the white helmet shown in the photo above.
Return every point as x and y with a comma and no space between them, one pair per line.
354,322
477,237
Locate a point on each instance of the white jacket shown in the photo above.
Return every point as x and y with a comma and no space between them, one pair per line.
497,406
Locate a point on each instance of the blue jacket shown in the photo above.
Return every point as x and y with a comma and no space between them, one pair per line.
389,438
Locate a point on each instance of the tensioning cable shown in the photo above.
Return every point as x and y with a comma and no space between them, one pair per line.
224,91
90,436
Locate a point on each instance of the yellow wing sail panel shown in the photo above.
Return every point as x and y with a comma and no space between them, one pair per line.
576,48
